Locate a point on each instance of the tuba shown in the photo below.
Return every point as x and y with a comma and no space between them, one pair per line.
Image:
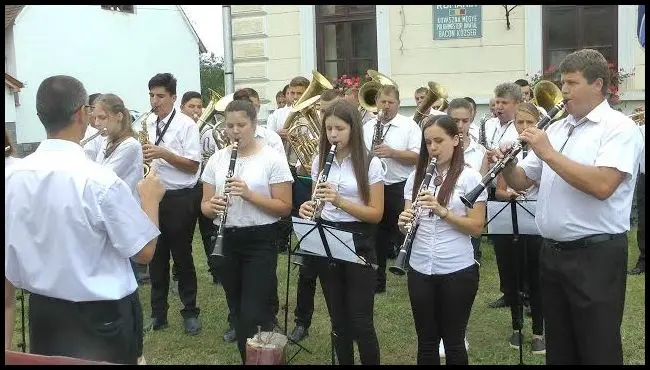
368,91
303,124
435,93
546,94
209,111
143,136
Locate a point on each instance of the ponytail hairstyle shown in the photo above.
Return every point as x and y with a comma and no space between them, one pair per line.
113,104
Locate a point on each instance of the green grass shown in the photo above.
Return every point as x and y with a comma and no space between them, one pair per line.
488,329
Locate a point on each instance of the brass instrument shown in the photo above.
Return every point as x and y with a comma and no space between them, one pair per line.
435,93
91,137
469,198
638,117
218,239
401,262
377,136
482,139
208,111
143,136
213,119
303,123
546,94
368,91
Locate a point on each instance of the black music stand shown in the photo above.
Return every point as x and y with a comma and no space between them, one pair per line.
328,238
23,344
520,258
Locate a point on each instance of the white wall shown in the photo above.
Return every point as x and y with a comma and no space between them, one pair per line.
107,51
10,106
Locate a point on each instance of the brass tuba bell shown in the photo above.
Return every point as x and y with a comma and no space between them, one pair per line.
368,91
546,94
435,92
208,111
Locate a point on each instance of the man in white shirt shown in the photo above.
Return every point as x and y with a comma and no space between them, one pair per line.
639,268
72,228
175,152
398,148
586,166
526,91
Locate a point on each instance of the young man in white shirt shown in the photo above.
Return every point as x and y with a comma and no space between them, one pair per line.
175,152
398,149
586,165
70,213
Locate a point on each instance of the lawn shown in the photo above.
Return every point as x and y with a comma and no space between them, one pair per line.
488,330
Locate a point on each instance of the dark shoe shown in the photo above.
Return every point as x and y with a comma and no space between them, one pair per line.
538,346
515,340
230,335
638,270
380,288
156,324
192,325
499,303
299,333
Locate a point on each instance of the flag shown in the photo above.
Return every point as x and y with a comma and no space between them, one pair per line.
456,12
640,25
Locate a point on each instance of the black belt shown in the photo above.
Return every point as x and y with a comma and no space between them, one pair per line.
585,242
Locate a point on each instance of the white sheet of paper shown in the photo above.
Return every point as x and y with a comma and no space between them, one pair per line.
502,223
313,243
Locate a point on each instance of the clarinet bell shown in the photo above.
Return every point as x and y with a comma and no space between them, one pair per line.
470,198
400,264
218,246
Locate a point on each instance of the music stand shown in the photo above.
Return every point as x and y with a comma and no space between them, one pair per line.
23,344
509,224
329,242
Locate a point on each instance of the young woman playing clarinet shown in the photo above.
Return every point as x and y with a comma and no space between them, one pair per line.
443,276
527,115
259,193
353,201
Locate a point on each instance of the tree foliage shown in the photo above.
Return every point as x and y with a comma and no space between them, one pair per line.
211,76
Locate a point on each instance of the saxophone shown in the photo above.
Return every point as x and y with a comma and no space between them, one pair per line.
379,130
481,129
143,136
401,262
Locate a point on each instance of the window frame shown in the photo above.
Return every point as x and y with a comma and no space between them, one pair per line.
580,29
347,17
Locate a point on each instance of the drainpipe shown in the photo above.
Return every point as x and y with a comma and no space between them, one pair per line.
229,77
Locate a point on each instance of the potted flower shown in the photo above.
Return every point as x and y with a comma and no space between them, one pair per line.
616,79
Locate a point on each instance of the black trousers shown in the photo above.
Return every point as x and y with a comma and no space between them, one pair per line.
502,245
306,291
441,305
108,331
387,231
177,219
520,267
640,208
248,268
583,295
349,291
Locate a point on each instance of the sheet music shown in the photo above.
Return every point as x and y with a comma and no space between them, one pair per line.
500,217
341,243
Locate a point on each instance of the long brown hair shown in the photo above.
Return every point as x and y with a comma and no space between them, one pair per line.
112,104
457,158
360,160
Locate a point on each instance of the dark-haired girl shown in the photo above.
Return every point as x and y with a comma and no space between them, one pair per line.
443,276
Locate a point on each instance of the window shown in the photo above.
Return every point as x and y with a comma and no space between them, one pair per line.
119,8
568,28
346,39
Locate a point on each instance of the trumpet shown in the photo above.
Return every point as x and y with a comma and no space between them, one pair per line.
218,239
469,198
401,262
91,137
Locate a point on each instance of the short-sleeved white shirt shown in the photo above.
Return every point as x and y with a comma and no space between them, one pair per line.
401,133
71,226
126,161
438,248
183,139
93,147
11,160
259,171
474,154
604,138
342,177
496,133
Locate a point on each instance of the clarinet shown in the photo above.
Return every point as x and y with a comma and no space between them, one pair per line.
401,261
322,178
469,198
218,240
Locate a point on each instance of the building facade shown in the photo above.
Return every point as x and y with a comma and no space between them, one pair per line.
110,48
414,44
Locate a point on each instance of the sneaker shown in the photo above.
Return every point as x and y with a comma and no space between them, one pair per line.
515,340
538,346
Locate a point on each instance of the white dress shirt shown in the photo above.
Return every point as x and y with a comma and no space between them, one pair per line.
275,121
93,147
342,177
269,137
604,138
126,161
474,154
10,161
72,226
496,133
438,248
183,139
259,171
642,158
401,133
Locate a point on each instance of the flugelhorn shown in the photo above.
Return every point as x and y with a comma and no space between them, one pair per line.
91,137
435,92
401,262
469,198
218,239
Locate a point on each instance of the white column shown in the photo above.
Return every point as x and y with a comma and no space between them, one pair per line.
533,38
383,39
307,39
